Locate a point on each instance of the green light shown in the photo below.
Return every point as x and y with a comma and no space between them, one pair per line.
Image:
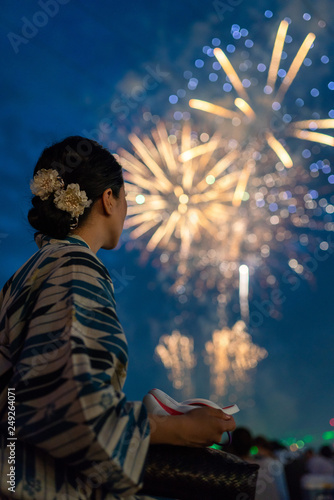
308,439
300,444
254,450
216,447
245,196
210,179
140,199
328,435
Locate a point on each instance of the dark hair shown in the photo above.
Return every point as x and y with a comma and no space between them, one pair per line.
241,441
325,451
261,441
80,161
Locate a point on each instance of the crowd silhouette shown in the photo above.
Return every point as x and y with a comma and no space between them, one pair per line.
304,474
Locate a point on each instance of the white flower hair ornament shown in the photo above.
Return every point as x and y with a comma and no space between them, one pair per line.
71,199
46,182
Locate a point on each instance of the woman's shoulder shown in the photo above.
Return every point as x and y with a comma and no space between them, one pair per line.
74,255
53,259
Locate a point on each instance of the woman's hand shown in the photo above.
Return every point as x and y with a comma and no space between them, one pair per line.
199,427
205,426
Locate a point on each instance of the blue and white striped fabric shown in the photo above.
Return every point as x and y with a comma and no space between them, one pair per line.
64,352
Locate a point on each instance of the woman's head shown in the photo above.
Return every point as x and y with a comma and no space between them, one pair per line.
78,161
241,441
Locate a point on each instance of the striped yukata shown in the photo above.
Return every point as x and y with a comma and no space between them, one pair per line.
63,351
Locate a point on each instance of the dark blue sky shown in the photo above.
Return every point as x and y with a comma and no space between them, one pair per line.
67,76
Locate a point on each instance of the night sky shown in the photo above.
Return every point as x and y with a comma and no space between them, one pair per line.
70,76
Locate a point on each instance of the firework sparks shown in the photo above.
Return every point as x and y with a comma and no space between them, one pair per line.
176,352
243,291
179,190
230,354
270,209
242,102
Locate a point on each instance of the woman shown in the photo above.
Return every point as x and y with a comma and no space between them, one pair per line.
63,353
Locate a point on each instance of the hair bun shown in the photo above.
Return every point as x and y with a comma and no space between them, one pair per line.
46,218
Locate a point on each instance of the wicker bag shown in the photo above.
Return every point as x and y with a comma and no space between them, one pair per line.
186,473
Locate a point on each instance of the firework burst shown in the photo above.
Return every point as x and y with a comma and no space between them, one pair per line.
176,352
231,354
257,118
281,214
215,203
183,191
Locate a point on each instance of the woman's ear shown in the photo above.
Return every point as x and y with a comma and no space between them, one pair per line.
108,201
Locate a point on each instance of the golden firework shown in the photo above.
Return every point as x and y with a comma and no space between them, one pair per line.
180,190
176,352
245,109
230,354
